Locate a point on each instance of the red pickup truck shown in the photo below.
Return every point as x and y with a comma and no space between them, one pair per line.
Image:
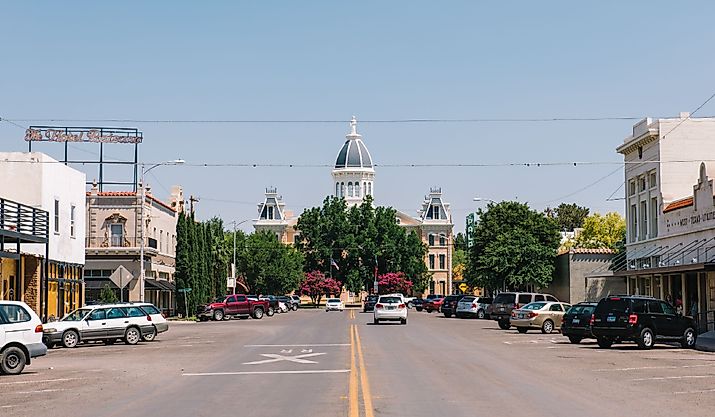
234,305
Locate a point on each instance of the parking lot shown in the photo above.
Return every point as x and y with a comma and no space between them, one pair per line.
339,363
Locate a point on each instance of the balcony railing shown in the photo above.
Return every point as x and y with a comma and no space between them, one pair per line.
120,241
21,218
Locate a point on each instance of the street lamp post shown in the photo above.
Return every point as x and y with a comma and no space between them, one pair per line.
233,266
142,273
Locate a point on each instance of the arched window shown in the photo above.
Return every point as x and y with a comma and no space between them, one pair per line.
369,188
350,189
342,189
357,189
431,239
337,189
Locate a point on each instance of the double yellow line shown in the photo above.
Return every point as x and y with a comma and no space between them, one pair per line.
351,314
353,398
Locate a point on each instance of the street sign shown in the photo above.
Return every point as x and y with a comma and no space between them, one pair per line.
121,277
464,287
184,289
230,282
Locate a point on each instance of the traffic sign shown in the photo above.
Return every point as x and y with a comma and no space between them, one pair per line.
184,289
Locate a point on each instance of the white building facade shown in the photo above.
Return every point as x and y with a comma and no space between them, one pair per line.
670,212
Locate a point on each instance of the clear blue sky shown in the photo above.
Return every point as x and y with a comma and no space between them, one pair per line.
376,60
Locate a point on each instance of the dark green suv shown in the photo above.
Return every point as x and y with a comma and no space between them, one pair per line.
644,320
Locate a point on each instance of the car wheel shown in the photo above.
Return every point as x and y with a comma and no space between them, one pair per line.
547,327
294,307
522,329
448,315
403,321
258,313
646,339
70,338
604,343
12,361
418,308
218,315
150,337
689,338
270,312
504,324
375,321
132,336
575,339
480,314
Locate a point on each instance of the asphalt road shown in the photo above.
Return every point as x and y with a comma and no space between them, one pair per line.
312,363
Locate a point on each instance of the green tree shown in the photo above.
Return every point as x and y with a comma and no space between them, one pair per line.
107,295
270,266
513,246
568,216
460,242
602,231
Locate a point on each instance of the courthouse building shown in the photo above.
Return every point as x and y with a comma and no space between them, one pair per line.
670,212
354,178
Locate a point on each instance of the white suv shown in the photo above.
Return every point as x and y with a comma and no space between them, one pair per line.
107,322
390,307
20,337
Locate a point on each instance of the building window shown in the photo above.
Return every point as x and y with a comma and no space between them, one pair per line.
633,222
57,216
350,189
641,183
431,262
337,189
442,261
654,217
357,189
117,232
442,240
652,180
643,224
435,212
369,188
270,212
430,238
632,188
342,189
73,209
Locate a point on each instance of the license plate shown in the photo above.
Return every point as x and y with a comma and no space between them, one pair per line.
390,308
576,321
611,319
501,308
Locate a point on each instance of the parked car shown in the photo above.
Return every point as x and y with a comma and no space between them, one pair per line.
390,307
543,315
234,305
409,301
21,334
369,303
449,304
433,304
273,304
577,322
334,304
158,320
296,301
288,302
102,322
644,320
418,303
471,306
505,302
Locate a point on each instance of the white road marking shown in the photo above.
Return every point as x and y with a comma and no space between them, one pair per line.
302,345
38,381
663,378
641,368
315,371
278,358
41,391
702,391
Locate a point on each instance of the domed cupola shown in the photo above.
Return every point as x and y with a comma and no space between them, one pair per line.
354,174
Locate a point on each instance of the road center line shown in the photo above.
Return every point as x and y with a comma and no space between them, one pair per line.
664,378
642,368
314,371
353,384
364,382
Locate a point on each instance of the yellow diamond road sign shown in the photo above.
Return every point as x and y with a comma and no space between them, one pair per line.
463,287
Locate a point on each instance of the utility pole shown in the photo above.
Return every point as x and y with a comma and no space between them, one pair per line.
192,200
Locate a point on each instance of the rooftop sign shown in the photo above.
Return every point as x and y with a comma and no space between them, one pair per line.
83,134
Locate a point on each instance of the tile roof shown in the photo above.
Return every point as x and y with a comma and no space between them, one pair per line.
678,204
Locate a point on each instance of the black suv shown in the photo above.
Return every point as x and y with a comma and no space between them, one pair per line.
576,324
644,320
369,303
449,306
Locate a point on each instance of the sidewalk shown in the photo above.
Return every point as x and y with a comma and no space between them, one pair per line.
706,342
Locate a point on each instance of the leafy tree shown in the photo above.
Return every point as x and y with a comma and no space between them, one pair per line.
316,284
459,264
602,231
393,282
460,242
568,216
107,295
513,246
270,266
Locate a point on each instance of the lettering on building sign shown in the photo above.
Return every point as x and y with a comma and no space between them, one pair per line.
694,220
85,135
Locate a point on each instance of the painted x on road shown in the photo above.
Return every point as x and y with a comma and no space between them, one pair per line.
278,358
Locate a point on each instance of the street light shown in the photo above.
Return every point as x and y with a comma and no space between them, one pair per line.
484,199
142,274
233,266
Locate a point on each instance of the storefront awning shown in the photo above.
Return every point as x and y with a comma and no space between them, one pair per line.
161,285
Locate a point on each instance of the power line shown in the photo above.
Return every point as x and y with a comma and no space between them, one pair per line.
689,116
584,188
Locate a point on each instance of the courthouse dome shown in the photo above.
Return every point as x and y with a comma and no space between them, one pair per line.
354,153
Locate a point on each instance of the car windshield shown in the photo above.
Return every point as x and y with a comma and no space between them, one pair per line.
77,315
220,299
333,300
484,300
534,306
390,300
468,299
371,298
505,298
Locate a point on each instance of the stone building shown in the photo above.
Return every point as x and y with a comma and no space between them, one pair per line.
354,178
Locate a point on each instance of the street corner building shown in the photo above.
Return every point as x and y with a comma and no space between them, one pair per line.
42,229
353,179
670,214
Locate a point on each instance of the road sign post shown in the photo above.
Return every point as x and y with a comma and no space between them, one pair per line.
186,305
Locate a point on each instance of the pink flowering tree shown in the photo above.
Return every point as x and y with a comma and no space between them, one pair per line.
393,282
316,284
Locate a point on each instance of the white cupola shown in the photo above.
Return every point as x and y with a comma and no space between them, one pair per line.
353,175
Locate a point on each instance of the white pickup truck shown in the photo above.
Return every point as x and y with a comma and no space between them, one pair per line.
407,300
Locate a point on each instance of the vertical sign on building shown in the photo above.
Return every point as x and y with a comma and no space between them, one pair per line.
470,230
